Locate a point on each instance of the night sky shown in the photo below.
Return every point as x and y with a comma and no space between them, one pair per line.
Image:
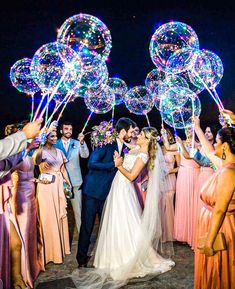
27,25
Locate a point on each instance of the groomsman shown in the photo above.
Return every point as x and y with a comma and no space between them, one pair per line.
73,150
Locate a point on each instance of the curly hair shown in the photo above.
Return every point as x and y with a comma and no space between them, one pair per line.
151,133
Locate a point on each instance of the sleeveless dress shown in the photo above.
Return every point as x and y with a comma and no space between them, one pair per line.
24,201
217,271
167,201
186,192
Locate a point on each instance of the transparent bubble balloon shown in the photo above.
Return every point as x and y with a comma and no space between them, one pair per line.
118,87
170,81
217,69
94,75
83,30
187,77
181,60
170,38
175,97
61,97
99,102
200,70
55,66
181,117
154,78
21,78
138,100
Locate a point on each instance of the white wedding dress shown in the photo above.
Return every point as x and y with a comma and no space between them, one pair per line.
124,247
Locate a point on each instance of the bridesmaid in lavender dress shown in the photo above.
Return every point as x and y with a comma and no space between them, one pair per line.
25,209
52,201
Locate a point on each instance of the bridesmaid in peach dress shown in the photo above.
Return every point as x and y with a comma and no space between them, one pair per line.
52,201
215,270
167,201
25,209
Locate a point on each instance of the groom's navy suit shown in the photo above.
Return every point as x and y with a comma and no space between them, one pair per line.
95,190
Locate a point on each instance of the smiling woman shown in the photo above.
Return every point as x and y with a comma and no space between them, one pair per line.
52,201
214,267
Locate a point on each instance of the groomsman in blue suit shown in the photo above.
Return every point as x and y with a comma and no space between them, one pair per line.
73,150
98,183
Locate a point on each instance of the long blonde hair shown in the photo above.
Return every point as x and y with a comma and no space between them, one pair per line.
151,134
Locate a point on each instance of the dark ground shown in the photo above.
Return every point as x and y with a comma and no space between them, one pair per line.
180,277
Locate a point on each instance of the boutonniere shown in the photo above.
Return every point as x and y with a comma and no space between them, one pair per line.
73,146
126,150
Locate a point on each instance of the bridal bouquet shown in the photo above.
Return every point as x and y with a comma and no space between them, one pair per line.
103,134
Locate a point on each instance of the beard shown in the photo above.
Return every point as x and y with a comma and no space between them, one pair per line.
67,135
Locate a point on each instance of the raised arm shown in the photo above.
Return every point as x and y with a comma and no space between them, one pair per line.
83,149
224,191
206,145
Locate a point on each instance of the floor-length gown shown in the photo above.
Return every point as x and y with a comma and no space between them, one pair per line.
167,200
186,189
123,249
52,209
6,216
217,271
24,202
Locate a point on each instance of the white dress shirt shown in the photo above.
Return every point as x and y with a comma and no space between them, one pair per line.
120,145
66,144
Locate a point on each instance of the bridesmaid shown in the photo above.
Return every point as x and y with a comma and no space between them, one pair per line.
215,270
25,209
52,201
186,186
172,160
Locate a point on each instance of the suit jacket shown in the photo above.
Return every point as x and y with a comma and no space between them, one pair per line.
101,171
11,149
12,145
75,151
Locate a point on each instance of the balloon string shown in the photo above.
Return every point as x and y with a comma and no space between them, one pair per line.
56,109
147,119
207,88
218,98
63,108
39,106
32,107
85,125
47,111
53,93
112,120
193,126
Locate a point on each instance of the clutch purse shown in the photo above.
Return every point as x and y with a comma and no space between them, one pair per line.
47,178
68,191
219,243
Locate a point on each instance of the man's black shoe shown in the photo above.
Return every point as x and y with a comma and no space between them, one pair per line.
82,265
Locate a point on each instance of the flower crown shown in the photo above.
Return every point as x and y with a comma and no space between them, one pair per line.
103,134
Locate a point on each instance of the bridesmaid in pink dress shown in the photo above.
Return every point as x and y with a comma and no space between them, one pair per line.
215,270
186,188
25,209
206,171
5,213
52,201
167,201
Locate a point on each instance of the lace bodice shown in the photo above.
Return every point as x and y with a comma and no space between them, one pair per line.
130,158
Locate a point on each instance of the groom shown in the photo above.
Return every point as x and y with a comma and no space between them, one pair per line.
98,183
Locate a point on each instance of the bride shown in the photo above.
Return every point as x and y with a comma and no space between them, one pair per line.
129,237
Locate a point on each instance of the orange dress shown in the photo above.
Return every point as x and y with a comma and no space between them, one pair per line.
218,271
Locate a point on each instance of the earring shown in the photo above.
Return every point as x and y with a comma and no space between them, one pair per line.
223,155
